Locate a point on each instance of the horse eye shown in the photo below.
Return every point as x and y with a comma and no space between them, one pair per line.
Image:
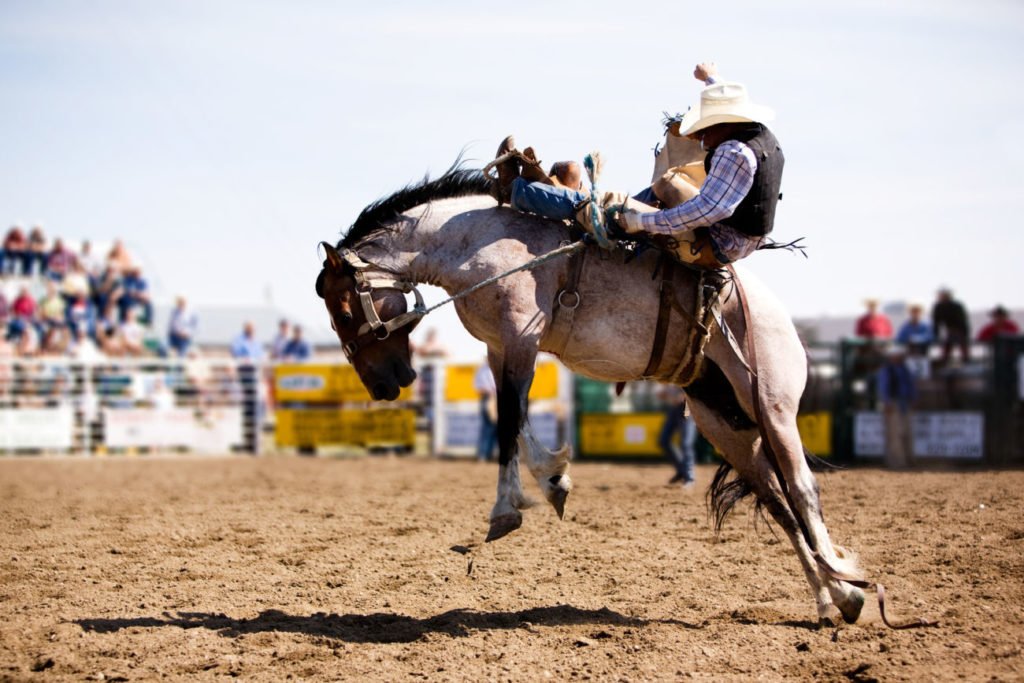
346,318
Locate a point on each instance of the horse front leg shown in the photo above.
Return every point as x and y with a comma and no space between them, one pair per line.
513,374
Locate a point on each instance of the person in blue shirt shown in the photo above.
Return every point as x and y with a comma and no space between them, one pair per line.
917,336
297,348
245,346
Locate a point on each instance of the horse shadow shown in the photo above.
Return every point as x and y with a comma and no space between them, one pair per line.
377,627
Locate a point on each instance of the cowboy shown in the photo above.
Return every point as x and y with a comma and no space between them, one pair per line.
722,222
735,208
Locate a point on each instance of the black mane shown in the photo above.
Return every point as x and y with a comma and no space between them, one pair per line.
455,182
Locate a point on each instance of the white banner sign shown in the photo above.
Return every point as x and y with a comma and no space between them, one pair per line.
37,428
868,435
462,429
213,431
957,434
949,435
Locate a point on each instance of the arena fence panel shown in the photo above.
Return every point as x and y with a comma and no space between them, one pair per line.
57,405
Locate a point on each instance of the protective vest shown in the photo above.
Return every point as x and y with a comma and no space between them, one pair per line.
755,215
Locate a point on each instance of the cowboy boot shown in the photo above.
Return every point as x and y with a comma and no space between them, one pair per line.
508,171
531,169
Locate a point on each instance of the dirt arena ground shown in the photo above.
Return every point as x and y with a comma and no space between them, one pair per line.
317,569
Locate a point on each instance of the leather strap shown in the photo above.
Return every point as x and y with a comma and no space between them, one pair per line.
667,296
566,302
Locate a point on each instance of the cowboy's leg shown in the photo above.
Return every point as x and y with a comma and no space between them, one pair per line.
545,200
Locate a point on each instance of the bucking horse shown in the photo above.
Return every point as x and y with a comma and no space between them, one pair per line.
524,284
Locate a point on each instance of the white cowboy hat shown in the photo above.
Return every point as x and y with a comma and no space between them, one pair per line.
724,102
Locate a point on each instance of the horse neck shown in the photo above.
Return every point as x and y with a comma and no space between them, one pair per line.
433,242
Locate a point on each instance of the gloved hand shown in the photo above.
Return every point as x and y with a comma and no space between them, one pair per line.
629,221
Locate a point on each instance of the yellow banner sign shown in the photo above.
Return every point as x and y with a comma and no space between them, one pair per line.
630,434
323,384
816,432
334,427
459,384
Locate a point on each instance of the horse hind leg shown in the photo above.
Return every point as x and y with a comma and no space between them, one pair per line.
804,493
723,424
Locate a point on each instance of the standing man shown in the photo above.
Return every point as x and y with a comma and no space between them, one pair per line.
483,382
181,328
897,393
951,325
678,422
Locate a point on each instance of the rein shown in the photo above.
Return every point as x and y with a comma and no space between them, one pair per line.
375,329
770,453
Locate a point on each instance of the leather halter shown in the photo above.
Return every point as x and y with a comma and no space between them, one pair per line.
375,329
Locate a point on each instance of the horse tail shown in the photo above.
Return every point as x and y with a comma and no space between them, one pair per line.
726,491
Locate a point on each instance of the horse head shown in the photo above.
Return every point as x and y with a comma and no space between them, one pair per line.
372,321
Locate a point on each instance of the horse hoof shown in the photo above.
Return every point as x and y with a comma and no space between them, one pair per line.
503,525
851,608
830,619
558,498
827,622
561,485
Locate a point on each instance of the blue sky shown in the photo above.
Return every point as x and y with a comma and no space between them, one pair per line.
223,140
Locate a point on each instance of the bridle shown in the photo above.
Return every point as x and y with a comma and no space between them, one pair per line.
375,329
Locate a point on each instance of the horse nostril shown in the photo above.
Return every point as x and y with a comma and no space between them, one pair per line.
380,391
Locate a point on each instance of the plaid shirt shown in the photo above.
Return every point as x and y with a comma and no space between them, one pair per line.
730,178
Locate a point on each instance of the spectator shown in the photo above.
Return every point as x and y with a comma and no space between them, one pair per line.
5,314
916,335
897,393
182,327
82,347
23,310
430,348
108,333
108,292
1000,326
132,335
951,325
245,346
91,263
298,349
60,261
280,341
14,257
118,259
427,353
53,318
75,285
81,316
483,382
873,326
677,421
135,294
27,342
37,252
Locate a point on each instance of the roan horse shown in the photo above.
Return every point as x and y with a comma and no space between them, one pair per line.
448,232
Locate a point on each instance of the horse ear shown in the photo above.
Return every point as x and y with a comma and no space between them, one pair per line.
333,257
